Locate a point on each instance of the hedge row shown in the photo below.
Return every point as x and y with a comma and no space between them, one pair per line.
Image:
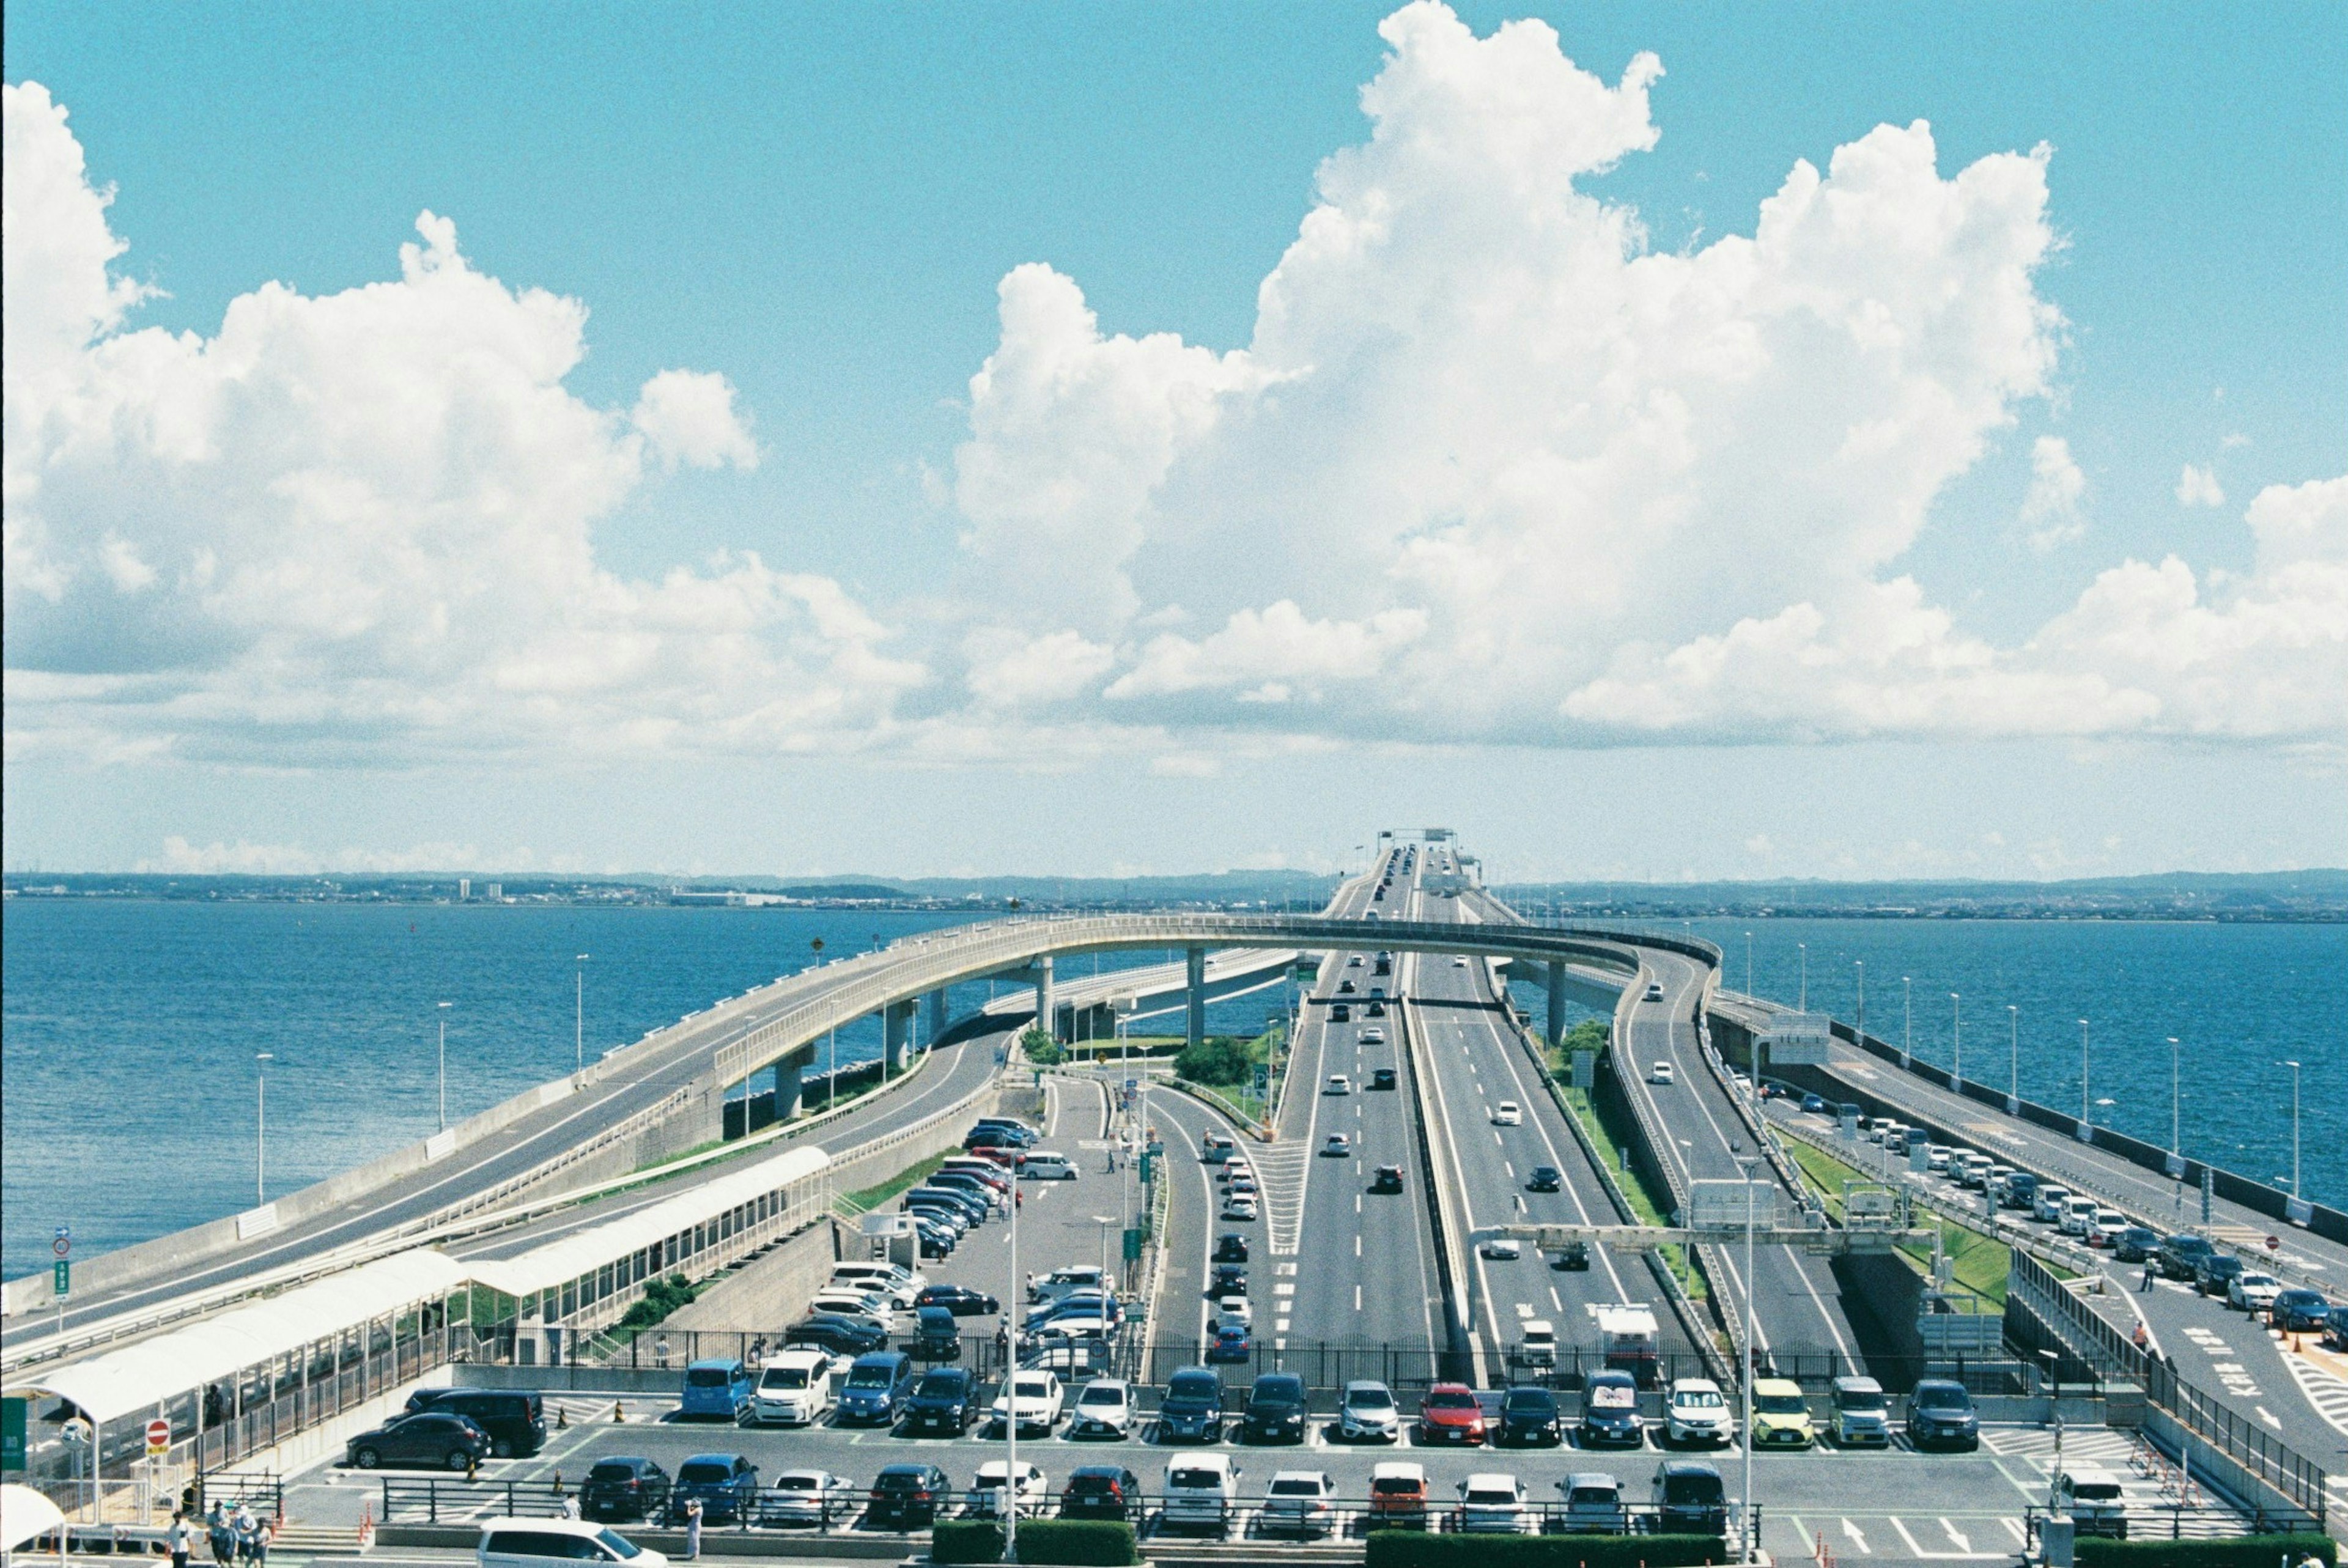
1078,1542
2242,1551
1411,1549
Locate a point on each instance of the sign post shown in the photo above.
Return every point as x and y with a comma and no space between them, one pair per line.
159,1437
61,1281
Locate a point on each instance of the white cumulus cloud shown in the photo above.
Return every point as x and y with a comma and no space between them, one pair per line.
2051,508
2199,487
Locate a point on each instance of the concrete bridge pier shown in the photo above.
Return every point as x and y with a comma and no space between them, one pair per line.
897,1033
1045,1013
1195,1012
1556,988
788,1075
933,1016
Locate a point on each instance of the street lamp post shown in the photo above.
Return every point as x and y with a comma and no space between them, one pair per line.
1802,997
1015,1319
2295,1129
444,1066
2085,1120
579,1016
1907,1021
1748,963
261,1061
1745,1162
1957,1030
1105,1222
2176,1147
2014,1069
1862,966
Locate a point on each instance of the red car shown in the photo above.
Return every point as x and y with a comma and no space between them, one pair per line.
1003,1157
1452,1415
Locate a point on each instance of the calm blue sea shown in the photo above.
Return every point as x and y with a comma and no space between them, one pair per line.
129,1029
129,1032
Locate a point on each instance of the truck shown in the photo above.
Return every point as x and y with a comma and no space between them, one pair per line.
1626,1336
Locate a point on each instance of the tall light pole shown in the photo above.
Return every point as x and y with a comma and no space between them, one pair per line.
2175,1146
1105,1222
1861,965
1745,1162
1802,997
2084,1120
1017,1297
1957,1028
261,1061
1748,963
2294,1130
1907,1021
579,1017
444,1066
2014,1070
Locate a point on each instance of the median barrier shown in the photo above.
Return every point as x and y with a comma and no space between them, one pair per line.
1080,1543
1411,1549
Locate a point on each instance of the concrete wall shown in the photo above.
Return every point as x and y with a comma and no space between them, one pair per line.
768,1293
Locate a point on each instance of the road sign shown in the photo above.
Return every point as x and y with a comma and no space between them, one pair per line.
2274,1243
64,1233
61,1283
1798,1039
62,1246
1133,1244
159,1437
12,1434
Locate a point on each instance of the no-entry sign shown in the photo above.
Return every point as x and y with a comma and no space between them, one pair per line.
159,1437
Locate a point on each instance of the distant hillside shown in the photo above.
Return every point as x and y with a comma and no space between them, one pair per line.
2316,895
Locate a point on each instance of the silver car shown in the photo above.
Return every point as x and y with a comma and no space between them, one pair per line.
1368,1413
1594,1504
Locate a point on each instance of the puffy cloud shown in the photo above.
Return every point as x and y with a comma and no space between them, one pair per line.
1010,671
355,526
2051,509
2199,487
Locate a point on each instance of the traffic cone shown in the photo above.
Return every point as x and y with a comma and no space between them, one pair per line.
617,1415
561,1418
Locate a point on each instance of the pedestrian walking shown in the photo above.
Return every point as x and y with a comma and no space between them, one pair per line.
220,1534
693,1530
660,1351
182,1539
246,1527
263,1532
570,1505
2140,1336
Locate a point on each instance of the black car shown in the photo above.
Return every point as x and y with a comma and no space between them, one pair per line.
2135,1243
1387,1179
1545,1179
2215,1272
1192,1409
1101,1491
937,1337
2021,1190
959,1299
2300,1311
515,1421
906,1496
944,1400
1341,1013
623,1487
1573,1255
726,1486
1381,1077
1275,1410
1610,1410
2179,1256
429,1438
1230,1247
1230,1279
1376,1008
1941,1412
1691,1499
840,1335
1528,1417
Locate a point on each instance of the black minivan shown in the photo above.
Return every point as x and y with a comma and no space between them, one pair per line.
1275,1410
515,1422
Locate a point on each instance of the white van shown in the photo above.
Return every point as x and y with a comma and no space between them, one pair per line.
545,1542
2047,1205
794,1389
1540,1343
1202,1492
898,1285
2078,1215
2096,1508
1046,1165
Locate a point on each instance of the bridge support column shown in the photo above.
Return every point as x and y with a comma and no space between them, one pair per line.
787,1087
933,1016
897,1033
1556,1001
1195,1023
1044,1001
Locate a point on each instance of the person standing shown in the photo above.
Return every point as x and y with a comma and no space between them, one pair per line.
692,1529
222,1536
182,1539
2147,1275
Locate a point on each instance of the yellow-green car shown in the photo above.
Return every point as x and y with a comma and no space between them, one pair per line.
1781,1417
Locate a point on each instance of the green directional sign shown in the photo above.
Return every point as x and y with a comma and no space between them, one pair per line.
1133,1244
12,1434
62,1281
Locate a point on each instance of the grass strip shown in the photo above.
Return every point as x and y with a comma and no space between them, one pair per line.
1598,1125
1979,1264
864,1199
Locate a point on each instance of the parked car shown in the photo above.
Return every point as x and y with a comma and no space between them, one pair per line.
1694,1412
987,1496
1275,1410
715,1390
726,1485
906,1496
1942,1413
1862,1415
2096,1503
1594,1504
794,1389
840,1335
878,1383
2253,1291
1033,1400
1202,1492
623,1487
428,1439
1102,1491
516,1422
1398,1494
2215,1275
557,1544
1299,1503
1493,1502
2300,1311
1367,1412
1690,1498
1609,1410
945,1400
1449,1414
936,1335
1781,1416
814,1497
1192,1408
1528,1417
1104,1408
959,1299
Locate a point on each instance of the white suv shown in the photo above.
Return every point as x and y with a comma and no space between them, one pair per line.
1696,1413
794,1390
1202,1492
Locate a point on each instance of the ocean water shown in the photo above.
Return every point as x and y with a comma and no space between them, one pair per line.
129,1029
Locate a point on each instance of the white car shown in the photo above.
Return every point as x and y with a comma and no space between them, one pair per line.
2110,1225
1240,1208
2079,1216
1503,1248
1695,1413
1374,1035
1368,1413
1233,1311
808,1497
794,1389
1202,1492
2253,1291
985,1498
1936,1156
1655,990
525,1543
1508,1113
1300,1502
1237,1166
868,1303
1660,1072
1338,1084
1492,1502
1034,1398
1104,1408
1459,960
1339,1144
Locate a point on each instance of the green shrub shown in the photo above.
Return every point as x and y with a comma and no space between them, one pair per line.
1087,1542
965,1541
661,1297
1041,1048
1410,1548
2242,1551
1216,1060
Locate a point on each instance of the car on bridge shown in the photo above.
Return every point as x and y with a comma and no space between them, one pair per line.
1338,1144
1239,1208
1381,1077
1502,1248
1387,1179
1233,1344
1230,1247
2179,1256
1654,992
2300,1311
1545,1179
1338,1084
2253,1291
1508,1113
1660,1072
1573,1256
2215,1275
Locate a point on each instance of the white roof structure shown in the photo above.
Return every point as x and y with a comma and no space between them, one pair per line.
139,1376
593,1246
23,1514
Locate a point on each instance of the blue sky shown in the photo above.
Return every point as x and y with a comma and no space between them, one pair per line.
819,207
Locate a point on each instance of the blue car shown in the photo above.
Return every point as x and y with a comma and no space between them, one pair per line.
716,1391
1941,1412
1232,1344
2299,1311
877,1386
726,1485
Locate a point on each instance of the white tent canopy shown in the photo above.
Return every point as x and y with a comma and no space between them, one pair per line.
23,1514
139,1376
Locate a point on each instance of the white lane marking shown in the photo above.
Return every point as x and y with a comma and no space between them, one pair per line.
2269,1417
1859,1542
1358,1245
1958,1536
2013,1527
1357,1298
